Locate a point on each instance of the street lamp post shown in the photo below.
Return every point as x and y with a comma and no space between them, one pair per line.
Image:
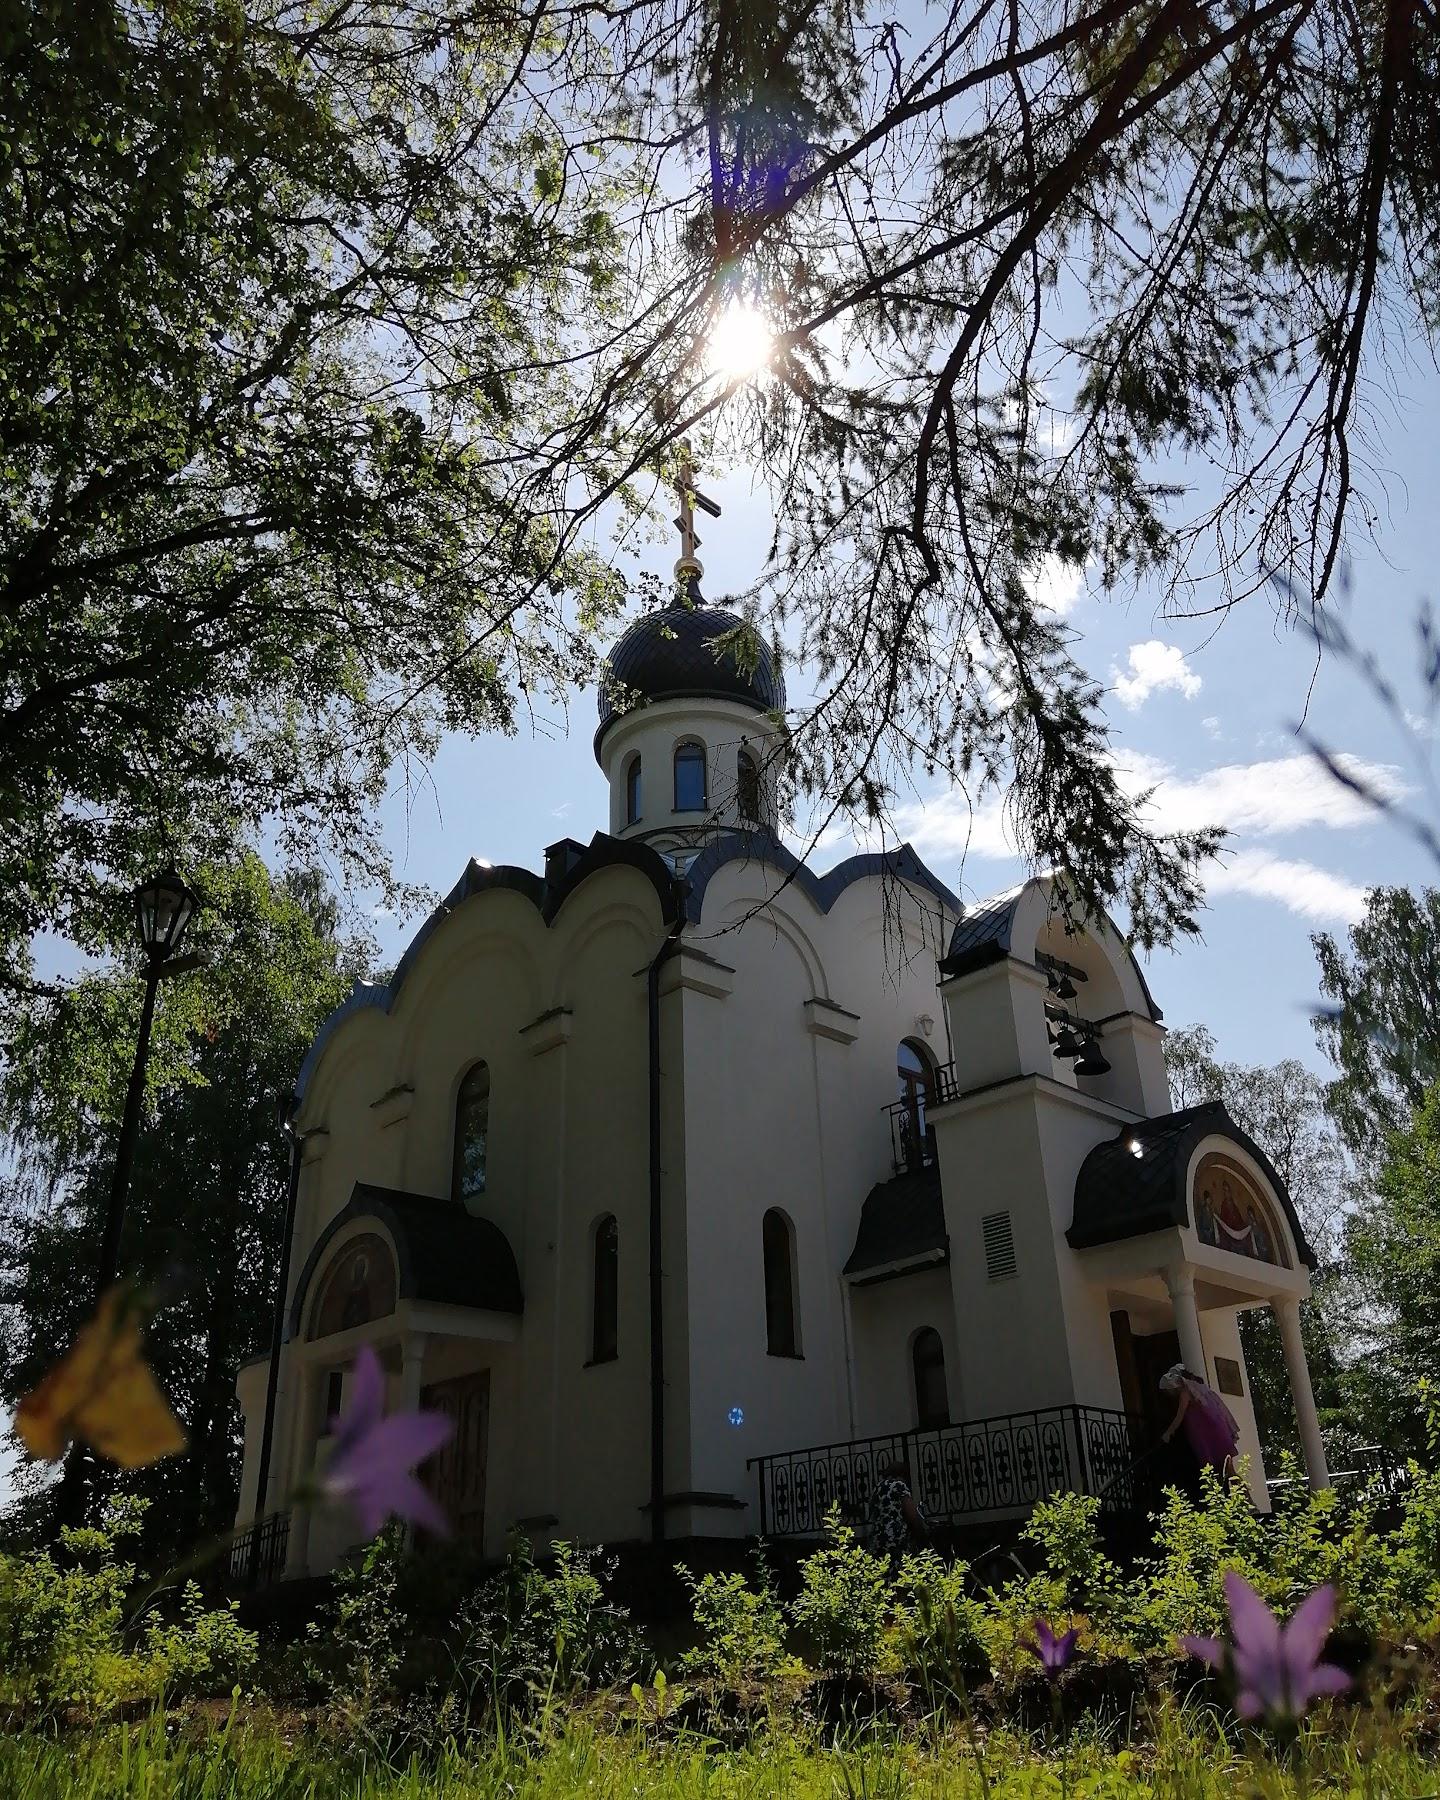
164,908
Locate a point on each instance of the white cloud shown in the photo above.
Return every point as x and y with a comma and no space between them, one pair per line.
1057,584
1260,799
1153,666
1212,725
1303,888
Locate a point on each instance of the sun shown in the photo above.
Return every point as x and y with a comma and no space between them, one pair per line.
741,342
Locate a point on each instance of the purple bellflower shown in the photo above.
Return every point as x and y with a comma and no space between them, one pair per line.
372,1458
1055,1653
1276,1668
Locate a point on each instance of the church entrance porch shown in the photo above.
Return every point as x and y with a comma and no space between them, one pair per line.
996,1468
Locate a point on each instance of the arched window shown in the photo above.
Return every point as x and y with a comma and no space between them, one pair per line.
472,1131
605,1300
778,1239
917,1089
632,791
747,788
932,1397
690,777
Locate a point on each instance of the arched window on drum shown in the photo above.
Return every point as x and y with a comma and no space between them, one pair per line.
749,794
632,791
690,783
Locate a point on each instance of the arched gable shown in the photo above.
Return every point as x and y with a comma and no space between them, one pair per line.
762,846
1024,919
1141,1180
442,1252
547,894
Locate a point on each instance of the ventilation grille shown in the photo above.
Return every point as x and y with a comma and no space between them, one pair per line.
1000,1264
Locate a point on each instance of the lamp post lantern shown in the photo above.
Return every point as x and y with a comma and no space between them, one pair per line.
164,907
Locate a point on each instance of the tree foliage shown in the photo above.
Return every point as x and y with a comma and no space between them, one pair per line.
332,338
208,1188
1031,271
1394,1248
275,284
1381,1028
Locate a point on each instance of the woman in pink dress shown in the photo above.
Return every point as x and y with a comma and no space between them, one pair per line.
1210,1432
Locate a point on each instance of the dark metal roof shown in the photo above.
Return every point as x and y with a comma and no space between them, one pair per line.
674,654
900,864
984,936
902,1219
1121,1195
547,896
445,1253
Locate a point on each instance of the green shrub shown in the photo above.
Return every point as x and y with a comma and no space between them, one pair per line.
742,1627
62,1618
1066,1531
938,1630
361,1641
845,1604
204,1651
528,1635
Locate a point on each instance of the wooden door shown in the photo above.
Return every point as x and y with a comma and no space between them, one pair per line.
456,1475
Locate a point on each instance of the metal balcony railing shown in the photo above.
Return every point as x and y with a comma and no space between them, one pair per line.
257,1556
912,1138
981,1468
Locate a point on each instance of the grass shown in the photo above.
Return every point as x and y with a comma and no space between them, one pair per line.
257,1761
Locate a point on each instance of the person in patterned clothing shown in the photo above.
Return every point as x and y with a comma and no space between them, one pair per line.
896,1522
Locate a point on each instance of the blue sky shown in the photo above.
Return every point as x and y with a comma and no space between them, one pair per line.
1206,717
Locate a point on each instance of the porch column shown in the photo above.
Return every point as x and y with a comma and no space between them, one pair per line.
1180,1284
1287,1311
412,1359
301,1461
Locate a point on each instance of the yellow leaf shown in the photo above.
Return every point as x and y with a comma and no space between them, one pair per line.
102,1391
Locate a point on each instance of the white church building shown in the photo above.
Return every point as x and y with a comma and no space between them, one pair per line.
692,1183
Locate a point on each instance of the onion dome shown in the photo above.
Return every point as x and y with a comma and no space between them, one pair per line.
671,654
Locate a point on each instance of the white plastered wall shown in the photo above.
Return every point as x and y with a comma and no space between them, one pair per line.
787,1075
568,1143
885,1319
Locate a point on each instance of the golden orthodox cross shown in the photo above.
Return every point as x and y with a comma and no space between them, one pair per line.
690,498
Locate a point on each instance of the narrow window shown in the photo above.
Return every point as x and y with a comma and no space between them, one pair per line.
690,778
932,1398
747,787
779,1246
472,1132
605,1305
632,791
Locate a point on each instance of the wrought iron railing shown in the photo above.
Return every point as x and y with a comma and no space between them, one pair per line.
257,1556
984,1467
1365,1465
912,1139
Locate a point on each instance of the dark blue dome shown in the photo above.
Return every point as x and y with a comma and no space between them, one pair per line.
671,655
